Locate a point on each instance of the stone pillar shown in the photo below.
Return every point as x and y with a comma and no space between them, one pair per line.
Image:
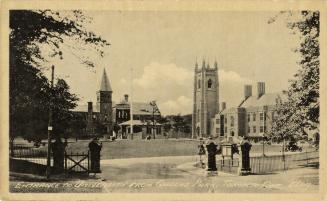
212,151
244,161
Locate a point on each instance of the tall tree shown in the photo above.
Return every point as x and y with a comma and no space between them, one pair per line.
37,36
300,112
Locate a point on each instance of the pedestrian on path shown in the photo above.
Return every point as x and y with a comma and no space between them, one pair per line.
201,153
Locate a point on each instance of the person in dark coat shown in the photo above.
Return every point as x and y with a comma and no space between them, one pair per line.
201,152
58,150
95,148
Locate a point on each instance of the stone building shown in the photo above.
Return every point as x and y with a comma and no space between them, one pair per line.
145,117
253,117
205,99
101,117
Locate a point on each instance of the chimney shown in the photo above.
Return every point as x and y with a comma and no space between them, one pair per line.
126,97
247,91
89,107
261,89
223,106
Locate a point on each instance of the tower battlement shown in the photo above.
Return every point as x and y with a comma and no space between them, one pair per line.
205,98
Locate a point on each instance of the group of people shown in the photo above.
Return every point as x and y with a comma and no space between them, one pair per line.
58,151
212,149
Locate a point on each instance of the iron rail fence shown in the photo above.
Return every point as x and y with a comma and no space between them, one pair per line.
266,164
34,155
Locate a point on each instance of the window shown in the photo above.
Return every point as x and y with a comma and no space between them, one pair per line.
261,116
209,83
249,129
225,120
264,128
226,129
231,121
253,117
254,129
217,130
218,121
249,117
272,115
261,129
232,133
199,84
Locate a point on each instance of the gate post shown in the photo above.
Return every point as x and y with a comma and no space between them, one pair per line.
244,167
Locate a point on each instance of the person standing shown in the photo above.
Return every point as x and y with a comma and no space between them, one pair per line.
201,152
95,148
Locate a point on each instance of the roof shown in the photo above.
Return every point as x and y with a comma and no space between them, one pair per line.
84,108
135,122
105,84
139,108
139,123
264,100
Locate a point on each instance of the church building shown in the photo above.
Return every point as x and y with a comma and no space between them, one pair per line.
99,115
101,118
205,98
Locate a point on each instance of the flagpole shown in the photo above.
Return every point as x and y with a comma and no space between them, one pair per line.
131,104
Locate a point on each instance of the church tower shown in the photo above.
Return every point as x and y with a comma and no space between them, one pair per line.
104,101
205,98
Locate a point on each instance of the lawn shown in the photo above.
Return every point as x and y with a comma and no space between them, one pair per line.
152,148
140,148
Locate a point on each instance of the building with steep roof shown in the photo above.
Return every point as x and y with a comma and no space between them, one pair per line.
101,117
145,117
101,114
253,117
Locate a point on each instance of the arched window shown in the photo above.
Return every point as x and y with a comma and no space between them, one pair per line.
209,83
199,84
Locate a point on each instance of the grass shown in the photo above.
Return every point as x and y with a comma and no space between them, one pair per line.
152,148
140,148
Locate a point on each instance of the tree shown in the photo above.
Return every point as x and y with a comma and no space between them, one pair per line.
300,112
62,103
37,36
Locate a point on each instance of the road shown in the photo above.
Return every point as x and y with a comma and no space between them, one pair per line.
177,174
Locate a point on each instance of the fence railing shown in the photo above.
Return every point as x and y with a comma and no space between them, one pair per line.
29,154
261,165
266,164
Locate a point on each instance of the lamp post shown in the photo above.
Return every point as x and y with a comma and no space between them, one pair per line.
154,110
131,105
50,126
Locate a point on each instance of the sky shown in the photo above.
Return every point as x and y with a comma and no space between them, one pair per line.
162,47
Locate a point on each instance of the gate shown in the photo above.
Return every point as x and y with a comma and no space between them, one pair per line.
229,165
77,163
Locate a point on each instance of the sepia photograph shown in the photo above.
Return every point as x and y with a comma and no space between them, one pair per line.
163,101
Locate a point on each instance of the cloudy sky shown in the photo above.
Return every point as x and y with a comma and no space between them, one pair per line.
163,46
